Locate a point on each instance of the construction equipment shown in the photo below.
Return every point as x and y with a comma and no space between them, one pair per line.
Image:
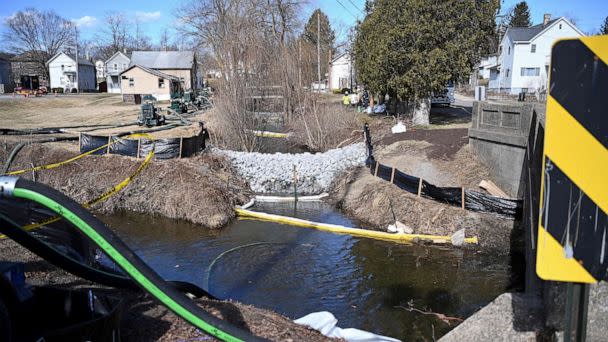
178,104
149,113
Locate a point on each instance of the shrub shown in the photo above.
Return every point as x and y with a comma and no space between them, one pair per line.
57,90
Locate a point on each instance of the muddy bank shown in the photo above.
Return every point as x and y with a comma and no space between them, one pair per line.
440,157
203,189
146,320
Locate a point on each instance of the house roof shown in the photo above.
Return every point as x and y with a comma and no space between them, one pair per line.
81,61
28,56
525,34
339,56
151,71
6,56
116,54
163,59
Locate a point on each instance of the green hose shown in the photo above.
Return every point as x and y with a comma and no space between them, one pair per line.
217,258
121,260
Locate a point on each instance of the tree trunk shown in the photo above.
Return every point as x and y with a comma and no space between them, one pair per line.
421,112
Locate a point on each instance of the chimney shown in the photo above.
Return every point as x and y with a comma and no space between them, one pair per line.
546,18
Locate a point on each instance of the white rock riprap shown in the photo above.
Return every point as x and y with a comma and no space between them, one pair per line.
273,173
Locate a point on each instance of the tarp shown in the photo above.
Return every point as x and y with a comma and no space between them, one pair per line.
165,148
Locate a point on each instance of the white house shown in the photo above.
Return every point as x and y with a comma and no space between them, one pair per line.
482,72
100,69
341,72
525,55
115,65
63,73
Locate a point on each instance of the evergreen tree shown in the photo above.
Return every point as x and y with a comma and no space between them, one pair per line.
411,48
327,41
604,27
520,16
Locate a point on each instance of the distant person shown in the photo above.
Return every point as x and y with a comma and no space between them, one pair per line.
346,99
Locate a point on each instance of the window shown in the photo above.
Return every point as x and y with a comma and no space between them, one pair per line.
124,66
161,82
530,71
560,26
115,67
62,67
507,73
533,48
131,82
509,51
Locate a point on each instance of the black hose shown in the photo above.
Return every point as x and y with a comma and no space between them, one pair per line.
219,327
45,251
19,146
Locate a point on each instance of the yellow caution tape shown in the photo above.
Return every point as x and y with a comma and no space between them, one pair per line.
101,197
334,228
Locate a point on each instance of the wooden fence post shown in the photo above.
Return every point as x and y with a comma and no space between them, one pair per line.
138,147
181,142
393,175
109,142
462,199
376,171
419,186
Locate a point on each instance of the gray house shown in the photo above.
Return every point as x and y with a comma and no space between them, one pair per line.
115,65
6,74
181,64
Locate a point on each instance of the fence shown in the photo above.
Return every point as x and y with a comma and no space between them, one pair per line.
166,148
459,196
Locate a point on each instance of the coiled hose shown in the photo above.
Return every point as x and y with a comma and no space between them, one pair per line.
123,256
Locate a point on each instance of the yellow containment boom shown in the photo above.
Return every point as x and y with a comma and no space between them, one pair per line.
334,228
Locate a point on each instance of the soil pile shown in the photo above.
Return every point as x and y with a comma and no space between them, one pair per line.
430,155
203,189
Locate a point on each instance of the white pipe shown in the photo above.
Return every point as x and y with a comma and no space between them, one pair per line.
274,199
248,204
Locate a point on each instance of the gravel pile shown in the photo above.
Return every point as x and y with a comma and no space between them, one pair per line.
273,173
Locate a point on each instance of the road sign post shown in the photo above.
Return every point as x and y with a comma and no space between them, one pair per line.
572,230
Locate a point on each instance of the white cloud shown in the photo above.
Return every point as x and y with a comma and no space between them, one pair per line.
86,21
147,16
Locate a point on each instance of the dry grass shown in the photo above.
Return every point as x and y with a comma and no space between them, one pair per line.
51,111
322,126
203,189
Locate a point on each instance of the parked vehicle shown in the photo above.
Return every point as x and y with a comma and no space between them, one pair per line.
445,97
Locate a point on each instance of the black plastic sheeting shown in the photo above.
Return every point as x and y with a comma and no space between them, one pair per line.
474,200
166,148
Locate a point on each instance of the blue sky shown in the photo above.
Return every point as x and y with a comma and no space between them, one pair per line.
156,15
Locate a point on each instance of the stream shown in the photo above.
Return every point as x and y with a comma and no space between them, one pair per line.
295,271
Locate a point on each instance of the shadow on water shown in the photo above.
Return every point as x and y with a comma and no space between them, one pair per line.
299,271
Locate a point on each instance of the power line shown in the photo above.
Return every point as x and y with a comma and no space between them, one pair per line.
347,10
354,5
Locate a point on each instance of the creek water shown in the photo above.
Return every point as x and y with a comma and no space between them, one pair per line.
294,271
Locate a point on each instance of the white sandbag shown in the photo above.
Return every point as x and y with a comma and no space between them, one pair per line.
398,128
325,322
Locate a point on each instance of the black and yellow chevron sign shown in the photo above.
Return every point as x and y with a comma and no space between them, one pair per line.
572,241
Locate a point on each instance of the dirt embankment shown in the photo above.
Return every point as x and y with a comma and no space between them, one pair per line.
203,189
146,320
441,157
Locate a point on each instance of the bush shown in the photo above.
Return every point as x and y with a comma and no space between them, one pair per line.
57,90
336,91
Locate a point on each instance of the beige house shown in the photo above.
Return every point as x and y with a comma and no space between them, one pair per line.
138,81
181,64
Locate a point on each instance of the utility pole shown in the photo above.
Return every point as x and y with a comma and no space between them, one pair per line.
77,85
319,50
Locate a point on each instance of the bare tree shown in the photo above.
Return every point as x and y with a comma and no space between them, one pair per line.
140,41
115,35
42,34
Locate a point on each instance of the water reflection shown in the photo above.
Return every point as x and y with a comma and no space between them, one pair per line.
297,270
